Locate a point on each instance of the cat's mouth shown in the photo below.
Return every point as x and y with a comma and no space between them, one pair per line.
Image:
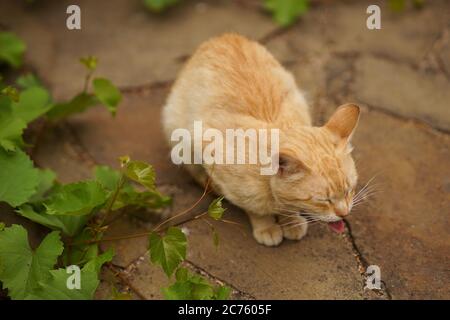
337,226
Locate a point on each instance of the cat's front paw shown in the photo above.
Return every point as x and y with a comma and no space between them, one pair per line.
271,236
295,229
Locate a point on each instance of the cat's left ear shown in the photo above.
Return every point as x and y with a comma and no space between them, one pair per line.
344,121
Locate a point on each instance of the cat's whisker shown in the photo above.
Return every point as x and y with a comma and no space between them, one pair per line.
366,192
287,210
303,223
296,222
365,186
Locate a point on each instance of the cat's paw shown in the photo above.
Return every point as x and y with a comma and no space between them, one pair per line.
296,229
271,236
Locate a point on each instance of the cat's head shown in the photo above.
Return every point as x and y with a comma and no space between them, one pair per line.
317,174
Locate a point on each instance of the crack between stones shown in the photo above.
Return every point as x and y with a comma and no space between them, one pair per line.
422,124
362,263
208,275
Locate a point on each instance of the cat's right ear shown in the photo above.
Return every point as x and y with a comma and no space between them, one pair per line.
287,165
343,122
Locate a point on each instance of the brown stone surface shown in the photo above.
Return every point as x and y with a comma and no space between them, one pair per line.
321,266
399,74
404,229
133,45
399,89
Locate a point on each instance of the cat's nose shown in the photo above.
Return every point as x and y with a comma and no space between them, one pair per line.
341,210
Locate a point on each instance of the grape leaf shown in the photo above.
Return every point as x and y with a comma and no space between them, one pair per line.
191,287
76,199
33,103
11,127
56,288
215,209
169,250
11,93
79,103
128,196
107,177
47,180
28,80
285,12
222,293
159,5
107,93
142,173
21,269
69,225
11,49
18,178
90,62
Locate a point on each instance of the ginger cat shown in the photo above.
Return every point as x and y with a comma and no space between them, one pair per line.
233,82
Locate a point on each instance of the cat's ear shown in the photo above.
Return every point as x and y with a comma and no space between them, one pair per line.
344,121
288,164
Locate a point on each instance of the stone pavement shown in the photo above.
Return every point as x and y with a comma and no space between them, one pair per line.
400,75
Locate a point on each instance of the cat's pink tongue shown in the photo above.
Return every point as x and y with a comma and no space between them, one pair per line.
337,226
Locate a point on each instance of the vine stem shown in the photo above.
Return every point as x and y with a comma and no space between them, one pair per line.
113,198
87,80
137,235
155,229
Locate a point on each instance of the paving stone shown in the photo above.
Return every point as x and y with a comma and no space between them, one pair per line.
321,266
404,229
401,90
149,279
58,150
133,45
406,36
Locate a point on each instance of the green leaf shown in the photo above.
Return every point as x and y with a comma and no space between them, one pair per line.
215,209
107,93
222,293
178,291
76,199
142,173
34,102
18,178
11,93
169,250
128,196
69,225
100,260
190,287
79,103
21,269
107,177
159,5
47,179
28,80
90,62
11,49
11,128
182,274
81,252
56,288
2,226
286,12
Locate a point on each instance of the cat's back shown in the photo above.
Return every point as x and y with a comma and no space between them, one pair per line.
242,75
231,81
